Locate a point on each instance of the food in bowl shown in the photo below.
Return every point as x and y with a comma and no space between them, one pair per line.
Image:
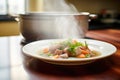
69,48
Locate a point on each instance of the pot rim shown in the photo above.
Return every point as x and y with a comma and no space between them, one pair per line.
54,13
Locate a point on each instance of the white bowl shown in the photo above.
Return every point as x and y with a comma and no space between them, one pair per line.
105,49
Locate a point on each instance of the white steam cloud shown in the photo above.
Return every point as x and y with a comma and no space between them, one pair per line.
63,24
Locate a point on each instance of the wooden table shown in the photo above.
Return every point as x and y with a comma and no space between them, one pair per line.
14,65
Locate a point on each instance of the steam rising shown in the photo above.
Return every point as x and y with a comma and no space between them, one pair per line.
68,27
58,6
62,26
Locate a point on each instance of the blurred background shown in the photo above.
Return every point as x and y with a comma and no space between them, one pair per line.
106,12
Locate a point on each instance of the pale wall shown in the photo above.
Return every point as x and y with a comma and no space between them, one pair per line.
35,5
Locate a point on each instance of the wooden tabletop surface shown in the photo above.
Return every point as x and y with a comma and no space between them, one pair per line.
23,67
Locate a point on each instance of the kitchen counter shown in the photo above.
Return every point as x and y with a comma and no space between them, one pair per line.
14,65
6,18
8,28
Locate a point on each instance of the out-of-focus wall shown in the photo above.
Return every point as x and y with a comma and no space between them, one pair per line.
94,6
35,5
